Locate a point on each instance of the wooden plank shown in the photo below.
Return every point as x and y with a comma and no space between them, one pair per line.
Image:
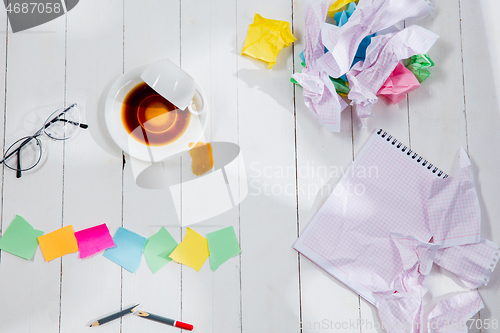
437,119
481,49
3,60
436,113
212,299
269,265
35,87
151,33
392,118
322,159
91,287
436,135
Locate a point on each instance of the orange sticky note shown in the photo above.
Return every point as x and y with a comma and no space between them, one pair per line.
58,243
192,251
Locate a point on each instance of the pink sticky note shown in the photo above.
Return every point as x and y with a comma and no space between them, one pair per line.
398,84
93,240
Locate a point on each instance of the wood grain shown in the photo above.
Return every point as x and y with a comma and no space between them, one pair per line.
292,163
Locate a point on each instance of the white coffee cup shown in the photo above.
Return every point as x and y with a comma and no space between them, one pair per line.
174,84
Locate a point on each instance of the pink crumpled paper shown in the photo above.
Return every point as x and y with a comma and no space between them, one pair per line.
398,84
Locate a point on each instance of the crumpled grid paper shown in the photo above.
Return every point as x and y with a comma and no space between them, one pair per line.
366,78
319,92
341,18
451,315
352,39
379,243
371,16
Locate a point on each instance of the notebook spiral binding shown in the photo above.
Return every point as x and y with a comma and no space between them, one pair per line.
415,156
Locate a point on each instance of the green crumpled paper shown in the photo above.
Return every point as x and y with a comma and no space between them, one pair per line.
419,65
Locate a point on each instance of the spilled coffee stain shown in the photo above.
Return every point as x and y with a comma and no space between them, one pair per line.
203,161
151,119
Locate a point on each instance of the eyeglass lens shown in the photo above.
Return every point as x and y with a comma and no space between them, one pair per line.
26,153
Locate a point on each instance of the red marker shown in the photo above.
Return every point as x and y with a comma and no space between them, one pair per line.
165,320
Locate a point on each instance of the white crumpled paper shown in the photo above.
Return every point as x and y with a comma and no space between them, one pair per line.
370,16
451,315
319,92
382,56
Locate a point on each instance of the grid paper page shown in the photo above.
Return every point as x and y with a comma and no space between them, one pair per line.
384,192
472,263
451,315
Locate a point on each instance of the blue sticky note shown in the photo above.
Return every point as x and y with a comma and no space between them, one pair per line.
350,9
128,250
337,16
361,52
341,18
301,56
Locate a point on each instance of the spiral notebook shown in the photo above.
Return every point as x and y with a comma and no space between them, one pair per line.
389,191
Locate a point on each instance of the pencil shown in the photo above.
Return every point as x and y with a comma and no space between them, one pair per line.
165,320
114,316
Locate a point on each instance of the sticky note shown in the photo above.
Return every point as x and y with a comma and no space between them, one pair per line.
266,38
419,65
192,251
58,243
128,250
93,240
20,238
202,159
337,5
158,248
222,245
398,84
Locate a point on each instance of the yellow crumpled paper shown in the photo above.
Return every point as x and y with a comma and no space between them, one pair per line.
337,5
266,38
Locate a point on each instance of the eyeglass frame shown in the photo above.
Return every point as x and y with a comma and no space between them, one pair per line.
28,139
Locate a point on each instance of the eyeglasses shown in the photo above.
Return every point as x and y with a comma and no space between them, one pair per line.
60,125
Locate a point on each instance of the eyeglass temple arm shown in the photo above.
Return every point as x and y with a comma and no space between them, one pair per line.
18,174
18,149
28,140
83,126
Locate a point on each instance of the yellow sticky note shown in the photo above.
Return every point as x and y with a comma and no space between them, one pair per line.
266,38
192,251
337,5
58,243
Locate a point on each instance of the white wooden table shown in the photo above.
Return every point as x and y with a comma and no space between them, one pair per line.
270,287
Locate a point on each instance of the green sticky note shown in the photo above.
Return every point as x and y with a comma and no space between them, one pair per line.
340,86
158,248
222,245
419,65
20,238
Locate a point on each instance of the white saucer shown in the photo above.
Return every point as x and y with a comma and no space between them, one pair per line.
113,117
